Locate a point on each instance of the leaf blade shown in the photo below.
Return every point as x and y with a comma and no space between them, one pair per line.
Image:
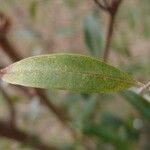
68,72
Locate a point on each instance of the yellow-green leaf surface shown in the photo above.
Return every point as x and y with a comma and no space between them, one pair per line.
71,72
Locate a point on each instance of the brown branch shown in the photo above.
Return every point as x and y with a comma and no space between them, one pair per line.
9,48
12,112
112,10
14,56
25,138
109,36
58,112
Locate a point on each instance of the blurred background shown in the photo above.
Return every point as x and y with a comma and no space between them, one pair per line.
48,119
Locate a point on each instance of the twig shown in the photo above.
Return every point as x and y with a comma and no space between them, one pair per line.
145,87
109,36
9,48
12,112
112,10
23,137
60,114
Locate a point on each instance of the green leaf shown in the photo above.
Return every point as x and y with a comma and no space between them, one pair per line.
67,72
92,35
106,135
142,105
33,9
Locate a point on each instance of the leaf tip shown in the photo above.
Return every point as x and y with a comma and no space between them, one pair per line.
140,84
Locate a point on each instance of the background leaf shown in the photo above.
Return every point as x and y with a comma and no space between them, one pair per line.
113,129
92,35
67,72
33,9
142,105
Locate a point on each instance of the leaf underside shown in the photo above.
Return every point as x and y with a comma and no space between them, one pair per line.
71,72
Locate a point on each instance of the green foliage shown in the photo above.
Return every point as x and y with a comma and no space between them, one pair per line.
68,72
92,35
33,9
113,130
141,104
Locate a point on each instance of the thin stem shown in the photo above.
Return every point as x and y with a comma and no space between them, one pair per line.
112,10
109,36
9,48
58,112
145,87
